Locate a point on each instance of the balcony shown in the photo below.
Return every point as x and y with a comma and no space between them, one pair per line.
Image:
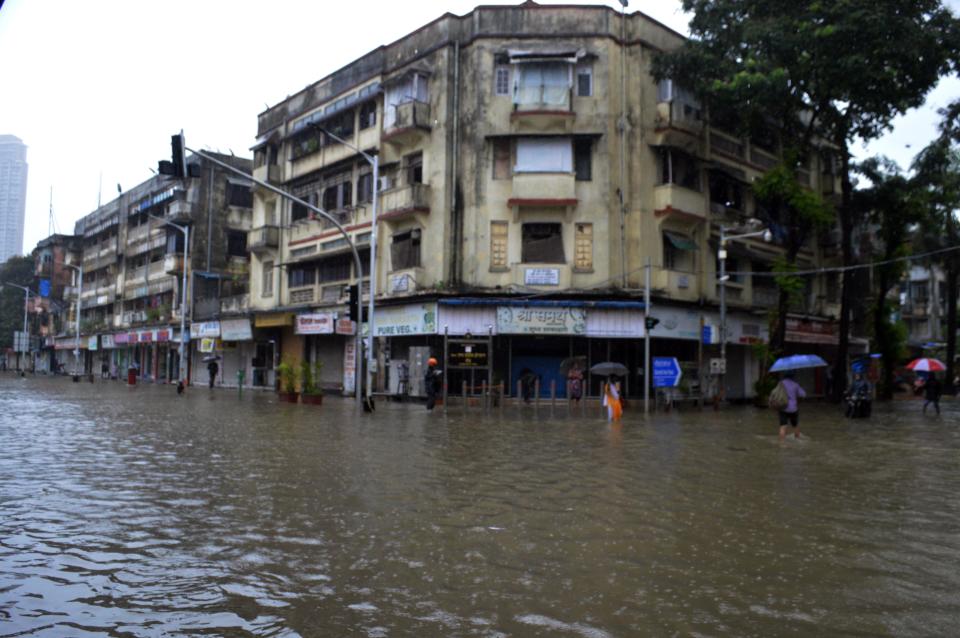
235,305
670,199
172,264
727,145
267,173
543,190
405,201
180,211
412,122
302,295
263,239
677,125
766,296
676,284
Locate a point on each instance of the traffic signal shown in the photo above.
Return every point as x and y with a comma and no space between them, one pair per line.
177,167
651,322
352,304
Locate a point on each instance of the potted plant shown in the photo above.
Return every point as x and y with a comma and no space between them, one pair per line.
310,382
288,382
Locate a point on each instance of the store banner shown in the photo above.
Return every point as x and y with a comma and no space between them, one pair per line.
146,336
315,323
164,334
207,344
346,326
538,320
412,319
91,343
349,366
235,330
107,342
205,329
121,339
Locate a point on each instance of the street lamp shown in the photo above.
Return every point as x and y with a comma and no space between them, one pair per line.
374,162
182,375
76,349
26,297
722,279
330,218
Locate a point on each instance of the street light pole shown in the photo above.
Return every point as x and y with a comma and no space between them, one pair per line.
353,248
374,162
722,257
26,297
182,374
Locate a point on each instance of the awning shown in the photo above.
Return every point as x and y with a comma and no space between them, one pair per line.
680,242
540,303
273,320
554,55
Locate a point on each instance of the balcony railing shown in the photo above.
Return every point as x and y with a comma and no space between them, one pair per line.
670,197
543,189
235,305
405,200
412,120
263,238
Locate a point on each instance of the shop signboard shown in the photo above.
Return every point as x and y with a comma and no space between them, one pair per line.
235,330
314,323
541,320
145,336
205,329
107,342
121,339
349,367
467,355
345,326
411,319
541,277
91,343
164,334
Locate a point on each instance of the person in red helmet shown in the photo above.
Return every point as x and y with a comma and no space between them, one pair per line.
432,382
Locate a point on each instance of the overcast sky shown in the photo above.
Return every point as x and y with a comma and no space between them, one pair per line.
97,87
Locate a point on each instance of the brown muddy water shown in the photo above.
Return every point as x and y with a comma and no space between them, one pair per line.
134,512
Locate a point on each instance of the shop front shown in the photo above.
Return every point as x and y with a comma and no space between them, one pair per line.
325,338
237,351
273,337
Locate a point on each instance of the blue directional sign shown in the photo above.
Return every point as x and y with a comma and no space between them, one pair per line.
44,287
666,372
707,334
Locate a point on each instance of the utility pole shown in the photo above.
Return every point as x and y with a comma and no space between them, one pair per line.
646,338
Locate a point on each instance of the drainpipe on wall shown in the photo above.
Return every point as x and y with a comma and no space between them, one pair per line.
457,252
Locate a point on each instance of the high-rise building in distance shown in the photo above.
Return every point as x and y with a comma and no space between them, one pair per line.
13,195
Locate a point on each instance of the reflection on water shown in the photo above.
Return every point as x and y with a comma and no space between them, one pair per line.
132,512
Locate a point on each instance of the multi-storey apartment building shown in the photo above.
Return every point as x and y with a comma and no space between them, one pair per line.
133,264
54,312
923,305
530,169
13,195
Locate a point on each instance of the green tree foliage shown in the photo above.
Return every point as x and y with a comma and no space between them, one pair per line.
892,203
16,270
816,69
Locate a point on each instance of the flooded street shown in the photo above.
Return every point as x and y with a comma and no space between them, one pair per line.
134,512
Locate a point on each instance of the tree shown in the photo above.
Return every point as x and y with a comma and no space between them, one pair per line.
832,71
937,174
891,202
16,270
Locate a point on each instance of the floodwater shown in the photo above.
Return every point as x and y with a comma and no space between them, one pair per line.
134,512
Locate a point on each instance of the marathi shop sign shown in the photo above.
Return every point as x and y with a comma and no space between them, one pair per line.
205,329
235,330
315,323
399,321
541,320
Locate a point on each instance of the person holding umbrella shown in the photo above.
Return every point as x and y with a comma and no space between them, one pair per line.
932,390
789,413
212,369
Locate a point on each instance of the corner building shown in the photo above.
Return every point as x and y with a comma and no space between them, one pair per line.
530,166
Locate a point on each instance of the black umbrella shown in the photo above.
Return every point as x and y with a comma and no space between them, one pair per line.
211,357
608,368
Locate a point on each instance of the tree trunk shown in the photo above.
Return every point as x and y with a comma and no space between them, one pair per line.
845,213
952,276
881,330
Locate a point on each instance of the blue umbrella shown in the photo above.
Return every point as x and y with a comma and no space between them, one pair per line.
797,362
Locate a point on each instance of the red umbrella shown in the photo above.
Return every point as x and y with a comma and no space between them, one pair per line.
926,365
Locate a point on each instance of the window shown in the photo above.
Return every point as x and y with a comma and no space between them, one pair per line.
919,292
678,252
405,250
501,159
584,80
303,276
546,84
502,79
686,104
583,247
413,168
368,114
236,243
338,192
340,125
298,211
582,160
676,167
544,155
365,188
542,243
498,245
335,269
239,195
412,88
726,193
266,284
